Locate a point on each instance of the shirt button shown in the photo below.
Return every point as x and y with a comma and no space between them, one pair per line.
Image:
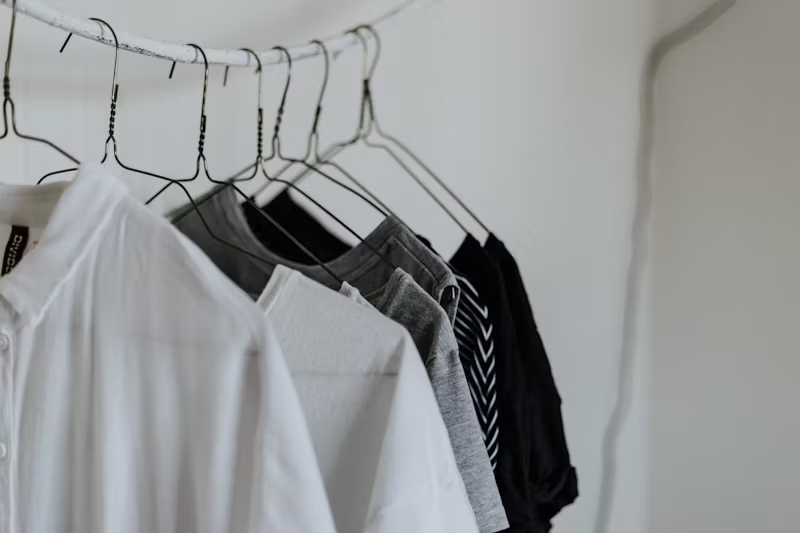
3,450
5,342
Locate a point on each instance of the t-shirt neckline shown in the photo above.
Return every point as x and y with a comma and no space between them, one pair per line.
349,265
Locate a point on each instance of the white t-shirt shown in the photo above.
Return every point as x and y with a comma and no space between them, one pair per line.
140,390
381,444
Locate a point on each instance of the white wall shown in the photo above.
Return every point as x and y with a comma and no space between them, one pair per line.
528,109
725,288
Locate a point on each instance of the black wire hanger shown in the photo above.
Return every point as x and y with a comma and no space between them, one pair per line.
8,102
372,125
201,158
369,124
114,94
112,116
260,160
311,161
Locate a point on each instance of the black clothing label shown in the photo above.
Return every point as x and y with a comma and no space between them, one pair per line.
15,247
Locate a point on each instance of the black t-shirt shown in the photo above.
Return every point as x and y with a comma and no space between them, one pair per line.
513,462
553,481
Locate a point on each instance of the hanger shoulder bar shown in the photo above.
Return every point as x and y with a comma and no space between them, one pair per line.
186,54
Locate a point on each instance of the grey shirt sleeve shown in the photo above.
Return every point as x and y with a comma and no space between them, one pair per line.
452,394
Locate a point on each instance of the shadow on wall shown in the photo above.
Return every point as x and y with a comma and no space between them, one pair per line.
639,250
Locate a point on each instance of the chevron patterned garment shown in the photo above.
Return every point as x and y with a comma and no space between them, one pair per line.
475,335
514,436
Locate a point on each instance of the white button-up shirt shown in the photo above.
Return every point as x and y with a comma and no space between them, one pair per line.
140,391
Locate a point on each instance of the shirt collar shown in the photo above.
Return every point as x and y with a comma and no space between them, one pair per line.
74,213
225,215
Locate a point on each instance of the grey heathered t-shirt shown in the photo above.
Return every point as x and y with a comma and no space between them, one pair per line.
397,295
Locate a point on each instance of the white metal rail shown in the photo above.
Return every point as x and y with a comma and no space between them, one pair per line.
186,54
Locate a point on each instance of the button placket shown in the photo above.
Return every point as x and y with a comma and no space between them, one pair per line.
6,364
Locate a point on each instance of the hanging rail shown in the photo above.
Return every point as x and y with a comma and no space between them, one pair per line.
186,54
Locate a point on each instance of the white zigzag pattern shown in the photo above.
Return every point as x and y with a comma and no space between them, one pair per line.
476,348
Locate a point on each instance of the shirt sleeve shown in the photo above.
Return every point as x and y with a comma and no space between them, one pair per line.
290,493
442,512
417,487
455,403
553,480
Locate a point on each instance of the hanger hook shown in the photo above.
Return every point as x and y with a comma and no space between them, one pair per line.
364,47
282,107
378,47
199,52
259,70
10,46
260,122
366,117
205,82
114,85
324,88
103,24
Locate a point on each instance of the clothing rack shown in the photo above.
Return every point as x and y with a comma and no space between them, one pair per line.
186,54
